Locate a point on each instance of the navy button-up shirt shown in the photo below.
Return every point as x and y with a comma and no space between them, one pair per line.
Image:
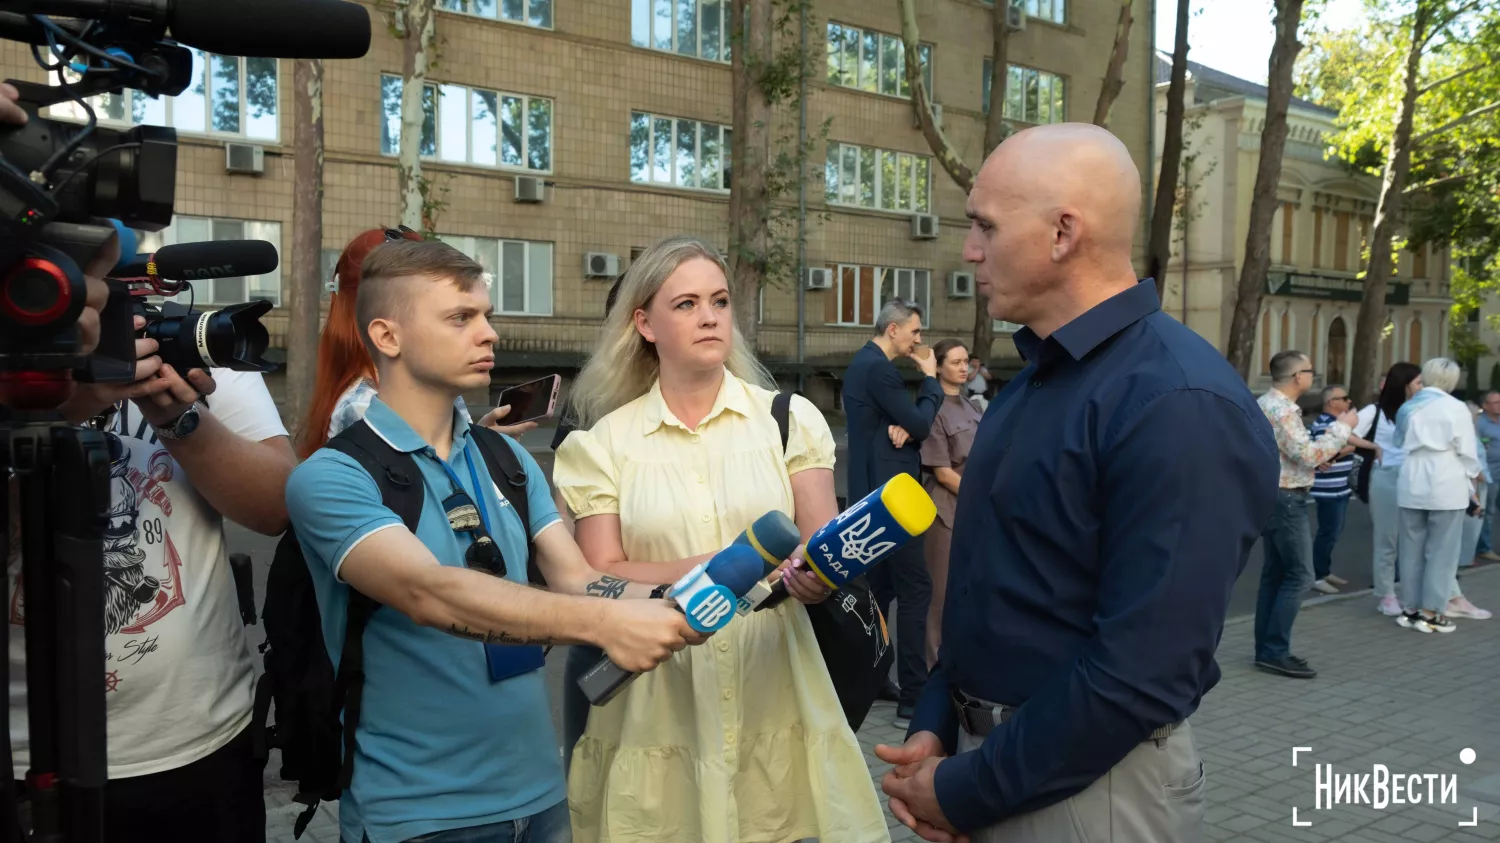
1113,494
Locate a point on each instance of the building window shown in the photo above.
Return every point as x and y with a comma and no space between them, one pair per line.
1338,350
530,12
1031,95
1055,11
697,28
217,292
1419,262
1000,326
873,61
681,153
1341,241
877,178
1414,350
227,95
857,290
1288,217
473,125
1265,342
522,272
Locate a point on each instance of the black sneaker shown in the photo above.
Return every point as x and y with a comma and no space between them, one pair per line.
1290,666
1409,620
1438,623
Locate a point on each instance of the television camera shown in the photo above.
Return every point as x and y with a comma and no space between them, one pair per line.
65,189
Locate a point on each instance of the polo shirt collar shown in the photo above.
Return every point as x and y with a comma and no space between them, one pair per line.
1090,330
394,430
732,396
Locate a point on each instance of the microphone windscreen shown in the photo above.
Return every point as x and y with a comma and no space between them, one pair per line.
209,259
736,567
276,29
774,536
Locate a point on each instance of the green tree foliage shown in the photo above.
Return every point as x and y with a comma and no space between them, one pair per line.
1451,195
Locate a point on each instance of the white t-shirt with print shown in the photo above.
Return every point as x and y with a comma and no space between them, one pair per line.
177,672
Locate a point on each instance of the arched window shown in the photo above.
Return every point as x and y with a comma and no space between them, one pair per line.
1338,348
1414,340
1286,330
1265,343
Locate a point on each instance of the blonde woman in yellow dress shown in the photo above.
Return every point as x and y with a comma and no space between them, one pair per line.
742,740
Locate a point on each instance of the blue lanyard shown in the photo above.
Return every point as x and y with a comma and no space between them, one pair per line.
478,495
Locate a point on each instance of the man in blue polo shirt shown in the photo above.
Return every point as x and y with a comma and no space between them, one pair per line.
455,742
1115,489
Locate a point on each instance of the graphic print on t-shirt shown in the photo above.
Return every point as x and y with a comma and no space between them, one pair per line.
143,580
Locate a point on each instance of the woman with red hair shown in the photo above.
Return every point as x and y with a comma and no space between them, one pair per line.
346,375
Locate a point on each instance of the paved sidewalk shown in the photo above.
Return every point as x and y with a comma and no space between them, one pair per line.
1384,695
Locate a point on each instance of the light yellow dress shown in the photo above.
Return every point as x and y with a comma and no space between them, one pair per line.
740,740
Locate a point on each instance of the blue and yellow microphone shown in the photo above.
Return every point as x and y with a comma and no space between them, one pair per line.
868,532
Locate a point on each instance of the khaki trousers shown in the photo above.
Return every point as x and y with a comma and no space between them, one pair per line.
1156,794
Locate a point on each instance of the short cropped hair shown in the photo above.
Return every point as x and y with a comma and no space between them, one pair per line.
1328,392
896,312
1440,373
386,287
1285,364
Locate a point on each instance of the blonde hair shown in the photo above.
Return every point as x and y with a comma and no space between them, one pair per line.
1440,373
623,365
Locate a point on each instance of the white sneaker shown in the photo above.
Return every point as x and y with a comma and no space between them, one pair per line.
1390,606
1325,587
1336,580
1460,607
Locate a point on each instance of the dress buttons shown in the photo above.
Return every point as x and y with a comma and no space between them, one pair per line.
700,478
707,518
729,738
723,646
697,438
728,695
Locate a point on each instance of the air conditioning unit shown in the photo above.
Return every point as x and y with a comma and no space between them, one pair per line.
937,117
924,226
960,285
1015,18
530,189
244,158
601,265
819,278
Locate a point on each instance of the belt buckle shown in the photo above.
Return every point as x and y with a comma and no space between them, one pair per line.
976,718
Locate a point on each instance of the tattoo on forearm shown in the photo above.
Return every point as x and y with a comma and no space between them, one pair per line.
493,637
610,588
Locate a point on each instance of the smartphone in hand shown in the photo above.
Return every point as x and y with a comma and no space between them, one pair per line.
529,401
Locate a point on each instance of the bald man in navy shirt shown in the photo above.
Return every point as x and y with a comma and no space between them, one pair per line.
1113,494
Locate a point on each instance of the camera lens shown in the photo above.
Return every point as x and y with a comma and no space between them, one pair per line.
232,338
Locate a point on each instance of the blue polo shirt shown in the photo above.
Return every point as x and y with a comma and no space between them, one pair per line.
1113,494
440,746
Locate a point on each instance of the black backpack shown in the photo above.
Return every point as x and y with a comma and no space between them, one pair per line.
850,629
310,695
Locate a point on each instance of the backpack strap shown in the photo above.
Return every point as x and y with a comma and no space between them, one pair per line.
400,482
781,411
509,477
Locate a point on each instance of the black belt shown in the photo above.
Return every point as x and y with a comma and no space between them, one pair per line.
980,717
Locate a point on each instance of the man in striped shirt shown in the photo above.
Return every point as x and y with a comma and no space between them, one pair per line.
1330,490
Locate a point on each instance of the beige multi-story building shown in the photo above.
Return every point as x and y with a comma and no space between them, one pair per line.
1318,237
566,135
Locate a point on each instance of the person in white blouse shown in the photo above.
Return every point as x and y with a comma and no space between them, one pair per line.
1435,487
1377,423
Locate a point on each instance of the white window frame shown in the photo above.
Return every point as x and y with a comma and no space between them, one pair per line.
1058,10
72,112
893,276
1000,326
466,243
887,279
917,207
882,37
437,127
724,152
1056,80
205,299
524,20
725,29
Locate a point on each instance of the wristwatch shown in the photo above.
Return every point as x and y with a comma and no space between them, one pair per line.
660,591
182,427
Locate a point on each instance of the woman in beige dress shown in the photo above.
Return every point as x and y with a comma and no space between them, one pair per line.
944,453
741,740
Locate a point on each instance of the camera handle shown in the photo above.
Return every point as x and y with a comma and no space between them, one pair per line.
64,498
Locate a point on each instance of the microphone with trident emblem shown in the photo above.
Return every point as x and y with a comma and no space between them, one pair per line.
884,520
